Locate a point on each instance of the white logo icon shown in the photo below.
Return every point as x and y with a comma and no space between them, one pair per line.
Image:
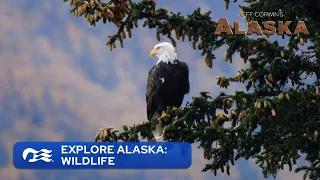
43,154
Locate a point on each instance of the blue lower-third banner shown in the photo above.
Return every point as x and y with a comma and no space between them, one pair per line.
113,155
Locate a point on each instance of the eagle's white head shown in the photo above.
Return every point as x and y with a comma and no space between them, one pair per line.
165,52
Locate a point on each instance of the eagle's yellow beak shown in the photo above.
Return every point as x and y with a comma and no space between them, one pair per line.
154,52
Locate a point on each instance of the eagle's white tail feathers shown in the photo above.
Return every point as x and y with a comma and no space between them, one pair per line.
156,115
157,133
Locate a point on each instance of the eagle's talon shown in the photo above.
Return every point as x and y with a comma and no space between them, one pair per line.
175,108
163,115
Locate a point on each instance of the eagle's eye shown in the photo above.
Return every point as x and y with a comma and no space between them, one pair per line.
158,47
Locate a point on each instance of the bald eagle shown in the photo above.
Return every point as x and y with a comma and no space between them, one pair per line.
168,82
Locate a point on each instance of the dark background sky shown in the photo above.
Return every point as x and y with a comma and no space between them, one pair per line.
59,82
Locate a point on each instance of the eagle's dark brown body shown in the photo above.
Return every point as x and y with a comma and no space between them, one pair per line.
166,86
